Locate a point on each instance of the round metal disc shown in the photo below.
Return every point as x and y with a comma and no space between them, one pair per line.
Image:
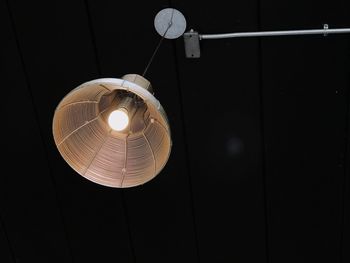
173,17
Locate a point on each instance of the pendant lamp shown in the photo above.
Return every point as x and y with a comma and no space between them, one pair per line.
113,132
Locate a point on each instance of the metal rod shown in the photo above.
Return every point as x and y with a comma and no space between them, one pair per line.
324,31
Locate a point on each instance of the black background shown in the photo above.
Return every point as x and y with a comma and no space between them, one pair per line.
259,170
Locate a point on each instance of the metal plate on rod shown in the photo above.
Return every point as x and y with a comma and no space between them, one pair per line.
172,17
192,47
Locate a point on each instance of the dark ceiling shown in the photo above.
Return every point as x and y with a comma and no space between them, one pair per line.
259,170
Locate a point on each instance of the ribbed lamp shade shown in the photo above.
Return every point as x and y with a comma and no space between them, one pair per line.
104,155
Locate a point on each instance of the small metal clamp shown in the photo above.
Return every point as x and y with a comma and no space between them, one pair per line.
325,28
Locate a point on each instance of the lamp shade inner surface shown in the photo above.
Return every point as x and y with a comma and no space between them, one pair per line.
86,139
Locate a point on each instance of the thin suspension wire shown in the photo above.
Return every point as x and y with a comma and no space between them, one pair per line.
159,44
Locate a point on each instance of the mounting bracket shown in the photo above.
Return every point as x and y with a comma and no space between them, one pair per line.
192,48
171,24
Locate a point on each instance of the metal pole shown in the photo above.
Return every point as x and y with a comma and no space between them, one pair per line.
192,38
324,31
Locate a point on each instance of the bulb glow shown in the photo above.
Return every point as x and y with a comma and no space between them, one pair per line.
118,120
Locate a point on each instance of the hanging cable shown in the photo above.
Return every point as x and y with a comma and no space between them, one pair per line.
159,44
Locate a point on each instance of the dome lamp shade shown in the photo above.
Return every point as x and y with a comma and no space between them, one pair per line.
113,132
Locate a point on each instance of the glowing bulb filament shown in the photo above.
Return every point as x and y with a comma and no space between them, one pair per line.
118,120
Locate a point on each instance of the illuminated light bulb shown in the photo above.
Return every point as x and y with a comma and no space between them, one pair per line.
118,120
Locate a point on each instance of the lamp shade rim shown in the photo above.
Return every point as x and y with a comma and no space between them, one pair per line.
124,85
